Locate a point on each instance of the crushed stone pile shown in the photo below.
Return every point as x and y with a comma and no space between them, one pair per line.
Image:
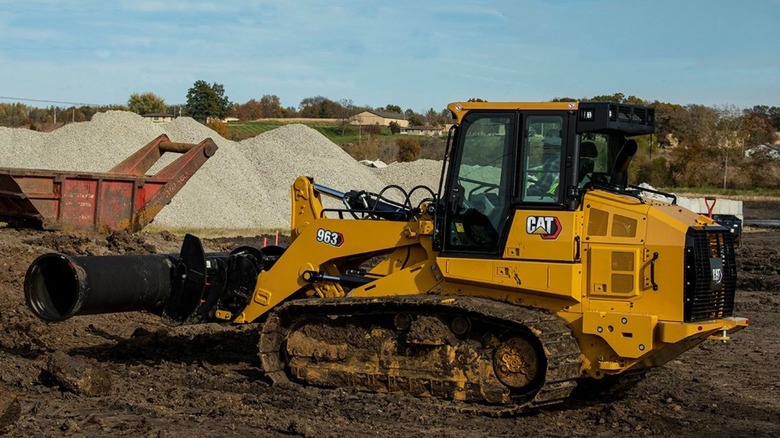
244,186
407,175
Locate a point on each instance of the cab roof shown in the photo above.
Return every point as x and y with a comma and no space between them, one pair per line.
627,118
459,109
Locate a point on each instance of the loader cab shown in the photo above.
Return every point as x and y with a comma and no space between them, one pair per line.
517,157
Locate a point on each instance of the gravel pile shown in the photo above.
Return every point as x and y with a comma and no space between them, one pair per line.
94,146
408,175
244,186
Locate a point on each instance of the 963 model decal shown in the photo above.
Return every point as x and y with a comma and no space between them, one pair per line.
328,237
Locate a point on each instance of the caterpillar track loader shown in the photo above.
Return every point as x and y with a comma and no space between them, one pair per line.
535,272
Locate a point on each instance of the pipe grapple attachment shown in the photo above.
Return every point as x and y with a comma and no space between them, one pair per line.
190,287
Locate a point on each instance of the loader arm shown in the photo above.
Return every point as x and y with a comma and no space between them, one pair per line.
324,249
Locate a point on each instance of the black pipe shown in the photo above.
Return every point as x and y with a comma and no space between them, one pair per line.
57,286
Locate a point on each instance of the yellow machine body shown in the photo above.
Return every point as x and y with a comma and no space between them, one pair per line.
614,271
607,297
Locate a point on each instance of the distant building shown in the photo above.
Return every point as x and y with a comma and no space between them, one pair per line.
159,117
430,131
381,118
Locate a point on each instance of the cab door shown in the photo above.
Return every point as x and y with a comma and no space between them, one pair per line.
544,227
480,184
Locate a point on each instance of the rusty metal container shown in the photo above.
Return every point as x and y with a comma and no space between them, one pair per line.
124,198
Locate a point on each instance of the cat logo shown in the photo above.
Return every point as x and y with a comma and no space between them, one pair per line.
716,267
549,227
717,275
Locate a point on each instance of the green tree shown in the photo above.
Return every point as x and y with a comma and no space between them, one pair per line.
146,103
654,171
730,140
395,128
414,118
206,101
271,106
319,107
434,118
774,114
671,120
13,114
757,128
391,109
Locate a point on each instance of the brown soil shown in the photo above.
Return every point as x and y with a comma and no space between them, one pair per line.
131,375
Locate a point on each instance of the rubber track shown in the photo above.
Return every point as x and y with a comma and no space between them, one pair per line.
560,347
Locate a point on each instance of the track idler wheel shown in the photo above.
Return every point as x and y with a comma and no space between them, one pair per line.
516,363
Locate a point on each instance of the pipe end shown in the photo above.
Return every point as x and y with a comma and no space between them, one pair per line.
51,287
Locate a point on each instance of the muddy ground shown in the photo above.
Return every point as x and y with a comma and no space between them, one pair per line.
131,375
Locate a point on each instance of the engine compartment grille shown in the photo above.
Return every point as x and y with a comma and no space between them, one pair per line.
710,274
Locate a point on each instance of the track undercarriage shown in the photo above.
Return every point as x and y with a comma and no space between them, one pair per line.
497,357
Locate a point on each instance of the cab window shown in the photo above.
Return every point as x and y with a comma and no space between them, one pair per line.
542,157
594,157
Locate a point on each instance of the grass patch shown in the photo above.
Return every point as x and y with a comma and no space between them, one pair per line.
242,130
335,132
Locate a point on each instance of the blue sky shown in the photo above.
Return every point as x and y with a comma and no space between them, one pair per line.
416,54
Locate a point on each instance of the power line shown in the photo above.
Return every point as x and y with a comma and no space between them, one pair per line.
49,101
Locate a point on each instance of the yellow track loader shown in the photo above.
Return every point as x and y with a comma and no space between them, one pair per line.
534,272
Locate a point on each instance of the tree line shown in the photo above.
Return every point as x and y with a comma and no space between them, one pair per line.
694,145
206,102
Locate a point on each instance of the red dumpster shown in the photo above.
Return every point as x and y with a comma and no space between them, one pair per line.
122,198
